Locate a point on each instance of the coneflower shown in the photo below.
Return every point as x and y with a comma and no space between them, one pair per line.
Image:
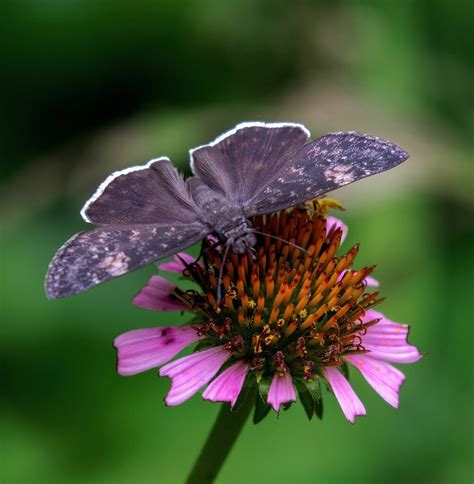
292,316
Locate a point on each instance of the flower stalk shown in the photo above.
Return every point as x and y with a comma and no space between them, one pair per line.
221,439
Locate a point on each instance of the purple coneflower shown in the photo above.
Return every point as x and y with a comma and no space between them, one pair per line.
290,319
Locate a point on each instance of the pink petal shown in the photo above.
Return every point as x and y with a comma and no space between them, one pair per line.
156,296
227,386
382,377
176,265
143,349
192,372
348,400
212,239
372,282
333,222
387,340
281,391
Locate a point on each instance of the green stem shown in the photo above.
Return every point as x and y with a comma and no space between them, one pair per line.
220,441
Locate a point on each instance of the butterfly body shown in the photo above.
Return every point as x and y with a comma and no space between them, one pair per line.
223,219
148,212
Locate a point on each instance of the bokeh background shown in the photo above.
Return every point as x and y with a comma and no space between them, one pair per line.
89,87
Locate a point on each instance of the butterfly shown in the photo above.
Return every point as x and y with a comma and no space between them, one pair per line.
145,213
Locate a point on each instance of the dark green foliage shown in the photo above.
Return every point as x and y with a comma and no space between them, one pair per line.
309,392
306,399
344,368
262,409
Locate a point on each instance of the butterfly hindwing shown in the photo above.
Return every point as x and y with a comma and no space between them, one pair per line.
244,160
152,193
325,164
92,257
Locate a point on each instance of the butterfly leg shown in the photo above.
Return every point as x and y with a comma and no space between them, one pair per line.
252,253
221,271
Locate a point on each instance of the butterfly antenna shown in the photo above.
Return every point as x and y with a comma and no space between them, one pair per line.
296,246
221,273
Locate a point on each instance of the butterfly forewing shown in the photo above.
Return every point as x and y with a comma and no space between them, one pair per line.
240,163
325,164
92,257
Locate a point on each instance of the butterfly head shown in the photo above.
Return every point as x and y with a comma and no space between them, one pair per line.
238,233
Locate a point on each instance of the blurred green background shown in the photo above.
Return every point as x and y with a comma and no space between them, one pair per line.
89,87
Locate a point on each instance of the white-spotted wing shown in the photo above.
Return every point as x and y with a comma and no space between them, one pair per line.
323,165
95,256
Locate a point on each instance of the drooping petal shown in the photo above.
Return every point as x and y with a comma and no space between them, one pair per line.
227,386
156,295
281,391
190,373
371,281
333,222
348,400
387,340
142,349
382,377
176,265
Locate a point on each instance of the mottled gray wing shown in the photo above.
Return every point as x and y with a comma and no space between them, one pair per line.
152,193
241,161
330,162
92,257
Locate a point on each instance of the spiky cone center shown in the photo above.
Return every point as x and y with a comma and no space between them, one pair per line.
284,309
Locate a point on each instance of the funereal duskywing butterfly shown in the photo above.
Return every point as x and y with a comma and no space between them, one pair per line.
149,212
